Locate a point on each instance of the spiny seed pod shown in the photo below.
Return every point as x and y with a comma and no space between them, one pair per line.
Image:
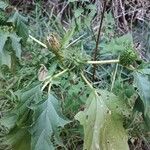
127,57
54,45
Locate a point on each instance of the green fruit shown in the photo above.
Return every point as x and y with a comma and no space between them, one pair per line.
127,57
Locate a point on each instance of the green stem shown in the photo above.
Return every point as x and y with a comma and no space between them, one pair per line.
89,84
114,77
88,62
49,87
103,62
86,81
37,41
49,79
59,74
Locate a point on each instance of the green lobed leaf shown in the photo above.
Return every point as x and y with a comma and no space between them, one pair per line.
45,133
142,82
9,42
113,135
92,119
18,115
5,58
118,107
98,119
22,30
16,44
20,118
31,95
3,39
20,23
119,44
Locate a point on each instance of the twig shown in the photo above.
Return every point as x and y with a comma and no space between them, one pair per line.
98,37
123,15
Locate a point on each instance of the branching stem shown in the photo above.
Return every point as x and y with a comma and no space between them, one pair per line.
59,74
49,79
89,84
88,62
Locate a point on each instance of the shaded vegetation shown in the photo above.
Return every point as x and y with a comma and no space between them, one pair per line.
74,75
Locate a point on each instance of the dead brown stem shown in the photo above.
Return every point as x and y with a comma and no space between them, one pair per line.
98,38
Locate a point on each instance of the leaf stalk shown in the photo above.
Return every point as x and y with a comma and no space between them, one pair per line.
103,62
86,81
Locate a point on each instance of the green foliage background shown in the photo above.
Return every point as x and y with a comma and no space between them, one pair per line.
51,102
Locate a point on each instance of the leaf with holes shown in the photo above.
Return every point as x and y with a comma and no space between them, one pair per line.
97,120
